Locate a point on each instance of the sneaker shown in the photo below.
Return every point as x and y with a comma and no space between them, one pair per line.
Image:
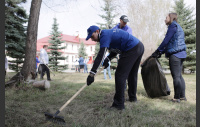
175,100
131,100
113,107
183,99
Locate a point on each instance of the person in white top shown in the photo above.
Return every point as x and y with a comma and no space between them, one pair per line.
85,65
107,69
44,60
76,64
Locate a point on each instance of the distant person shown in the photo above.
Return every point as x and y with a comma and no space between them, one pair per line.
44,60
77,64
37,61
85,65
81,64
174,48
107,69
6,64
131,49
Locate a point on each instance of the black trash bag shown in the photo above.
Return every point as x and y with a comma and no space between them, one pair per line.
153,78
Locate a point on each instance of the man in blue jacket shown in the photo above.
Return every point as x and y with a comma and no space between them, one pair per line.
131,49
123,24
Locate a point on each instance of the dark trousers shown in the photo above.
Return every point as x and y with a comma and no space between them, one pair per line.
176,65
45,69
127,69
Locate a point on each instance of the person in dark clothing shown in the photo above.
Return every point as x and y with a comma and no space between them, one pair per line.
81,64
123,26
131,49
174,48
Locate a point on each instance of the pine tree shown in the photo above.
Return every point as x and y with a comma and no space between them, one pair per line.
15,33
82,50
188,23
109,9
55,47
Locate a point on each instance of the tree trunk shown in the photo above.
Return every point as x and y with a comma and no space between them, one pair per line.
29,66
31,39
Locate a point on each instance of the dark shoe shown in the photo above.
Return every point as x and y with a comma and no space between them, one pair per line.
183,99
49,79
113,107
131,100
175,100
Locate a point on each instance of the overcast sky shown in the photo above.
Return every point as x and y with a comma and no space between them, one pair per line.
73,16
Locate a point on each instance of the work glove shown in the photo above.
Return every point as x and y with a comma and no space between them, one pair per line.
156,54
90,79
106,63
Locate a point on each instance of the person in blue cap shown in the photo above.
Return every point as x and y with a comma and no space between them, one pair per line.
131,49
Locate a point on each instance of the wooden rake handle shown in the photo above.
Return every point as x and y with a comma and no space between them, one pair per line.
78,92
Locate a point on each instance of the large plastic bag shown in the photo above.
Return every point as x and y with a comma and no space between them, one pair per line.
154,79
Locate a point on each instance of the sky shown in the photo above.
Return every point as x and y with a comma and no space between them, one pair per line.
73,16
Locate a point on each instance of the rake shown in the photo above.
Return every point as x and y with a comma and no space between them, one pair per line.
59,119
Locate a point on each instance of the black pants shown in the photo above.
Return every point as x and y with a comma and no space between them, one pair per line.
176,65
45,69
127,69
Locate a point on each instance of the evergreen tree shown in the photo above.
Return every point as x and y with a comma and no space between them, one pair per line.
188,23
15,33
55,47
109,9
82,50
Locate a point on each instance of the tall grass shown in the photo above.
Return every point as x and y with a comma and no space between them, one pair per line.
26,107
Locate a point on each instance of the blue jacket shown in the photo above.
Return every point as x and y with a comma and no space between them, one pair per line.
125,28
174,40
81,61
117,40
37,61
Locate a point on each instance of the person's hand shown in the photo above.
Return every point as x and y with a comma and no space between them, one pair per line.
90,79
106,63
156,54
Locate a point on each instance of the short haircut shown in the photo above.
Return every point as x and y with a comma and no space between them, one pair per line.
44,46
173,17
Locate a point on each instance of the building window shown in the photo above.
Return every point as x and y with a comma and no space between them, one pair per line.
72,58
72,46
91,48
66,46
67,58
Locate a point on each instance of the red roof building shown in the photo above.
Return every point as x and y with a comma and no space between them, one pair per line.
72,44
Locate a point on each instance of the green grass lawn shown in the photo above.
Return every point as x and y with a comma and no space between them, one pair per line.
26,107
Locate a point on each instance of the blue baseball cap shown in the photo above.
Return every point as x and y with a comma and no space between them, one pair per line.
90,31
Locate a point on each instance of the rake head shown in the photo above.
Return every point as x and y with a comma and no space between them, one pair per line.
54,118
